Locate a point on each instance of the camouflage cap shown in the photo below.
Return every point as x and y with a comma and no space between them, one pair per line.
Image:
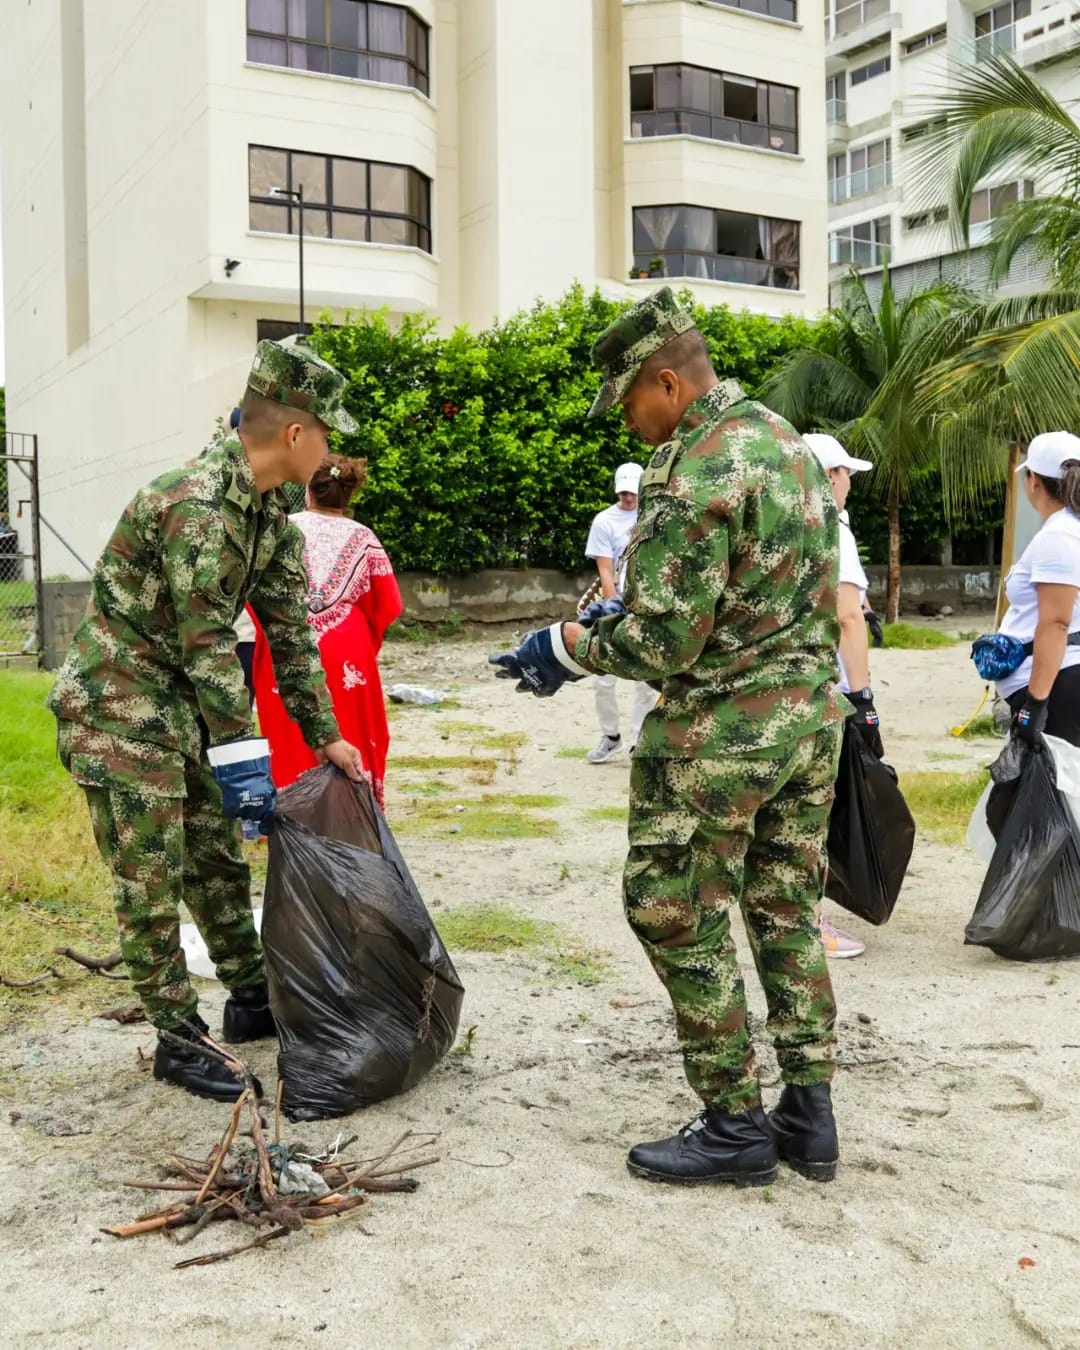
620,350
289,372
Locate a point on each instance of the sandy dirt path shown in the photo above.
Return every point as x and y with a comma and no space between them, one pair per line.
956,1098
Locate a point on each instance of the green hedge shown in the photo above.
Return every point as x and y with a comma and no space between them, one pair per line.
479,453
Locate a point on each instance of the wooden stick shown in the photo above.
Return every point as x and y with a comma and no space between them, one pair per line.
209,1260
160,1185
99,964
277,1111
223,1147
50,974
126,1230
209,1214
267,1189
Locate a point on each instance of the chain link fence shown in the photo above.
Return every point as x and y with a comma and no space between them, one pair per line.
20,548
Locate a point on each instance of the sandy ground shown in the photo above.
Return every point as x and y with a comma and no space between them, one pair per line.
956,1100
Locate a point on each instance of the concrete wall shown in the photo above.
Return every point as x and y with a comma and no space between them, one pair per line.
65,605
960,587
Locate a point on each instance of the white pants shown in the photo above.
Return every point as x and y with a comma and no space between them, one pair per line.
607,705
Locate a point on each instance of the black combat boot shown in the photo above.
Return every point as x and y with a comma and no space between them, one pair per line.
806,1131
189,1066
247,1016
718,1146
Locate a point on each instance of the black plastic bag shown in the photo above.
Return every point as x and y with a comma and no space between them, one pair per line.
365,997
871,833
1029,905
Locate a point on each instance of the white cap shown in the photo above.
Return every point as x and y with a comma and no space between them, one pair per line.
628,478
1049,451
830,454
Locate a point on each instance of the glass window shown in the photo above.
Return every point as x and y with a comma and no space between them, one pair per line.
356,199
358,39
678,99
697,241
872,69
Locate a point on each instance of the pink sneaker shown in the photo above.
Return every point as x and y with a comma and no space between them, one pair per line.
838,944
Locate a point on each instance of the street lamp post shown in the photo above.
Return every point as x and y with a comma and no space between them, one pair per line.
297,195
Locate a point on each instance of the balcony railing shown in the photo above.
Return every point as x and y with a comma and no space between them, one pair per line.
989,45
845,249
836,110
861,182
840,22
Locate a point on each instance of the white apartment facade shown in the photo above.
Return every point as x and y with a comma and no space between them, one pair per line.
884,60
459,157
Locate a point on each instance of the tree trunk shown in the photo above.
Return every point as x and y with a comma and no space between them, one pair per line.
892,586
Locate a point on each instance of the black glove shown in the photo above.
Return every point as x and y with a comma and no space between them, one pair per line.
600,609
1029,722
541,665
866,720
876,630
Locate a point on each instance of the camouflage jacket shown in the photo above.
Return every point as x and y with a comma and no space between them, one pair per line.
157,649
730,585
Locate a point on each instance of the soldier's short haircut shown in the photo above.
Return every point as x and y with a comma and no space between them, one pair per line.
686,355
262,418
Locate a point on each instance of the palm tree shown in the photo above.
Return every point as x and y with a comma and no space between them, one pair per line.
861,384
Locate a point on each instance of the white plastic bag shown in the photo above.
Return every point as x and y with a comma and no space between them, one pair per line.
979,838
1066,760
198,958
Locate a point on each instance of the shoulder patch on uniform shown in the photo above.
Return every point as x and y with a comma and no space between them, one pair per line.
660,466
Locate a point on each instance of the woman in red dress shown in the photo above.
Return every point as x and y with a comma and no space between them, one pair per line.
354,598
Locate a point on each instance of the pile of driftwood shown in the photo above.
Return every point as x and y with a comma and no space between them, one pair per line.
274,1188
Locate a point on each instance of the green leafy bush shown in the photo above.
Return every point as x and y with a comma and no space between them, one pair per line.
479,453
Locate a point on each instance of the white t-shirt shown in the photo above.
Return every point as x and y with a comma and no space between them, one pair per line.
609,534
851,571
1053,556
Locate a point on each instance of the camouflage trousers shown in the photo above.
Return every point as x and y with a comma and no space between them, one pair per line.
162,849
707,835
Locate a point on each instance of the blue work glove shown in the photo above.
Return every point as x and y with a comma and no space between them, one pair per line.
1030,722
541,665
242,770
600,609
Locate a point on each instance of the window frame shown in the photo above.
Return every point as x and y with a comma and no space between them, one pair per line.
922,42
417,33
772,266
868,72
330,209
685,113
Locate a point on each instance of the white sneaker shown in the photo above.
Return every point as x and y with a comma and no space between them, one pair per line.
609,747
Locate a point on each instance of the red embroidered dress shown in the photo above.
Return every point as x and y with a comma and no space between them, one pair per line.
354,598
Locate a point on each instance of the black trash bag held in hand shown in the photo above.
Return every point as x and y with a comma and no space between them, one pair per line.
365,997
871,833
1029,905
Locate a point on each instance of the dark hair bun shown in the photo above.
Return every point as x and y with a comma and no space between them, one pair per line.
335,482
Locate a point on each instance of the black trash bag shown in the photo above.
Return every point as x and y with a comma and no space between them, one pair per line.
1005,776
365,997
871,833
1029,905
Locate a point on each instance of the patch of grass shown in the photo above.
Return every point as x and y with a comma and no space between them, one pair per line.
465,730
942,803
944,756
615,813
529,801
913,637
471,819
477,768
571,752
498,928
464,1047
982,726
423,789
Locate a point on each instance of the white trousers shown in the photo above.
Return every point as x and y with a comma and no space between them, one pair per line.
607,705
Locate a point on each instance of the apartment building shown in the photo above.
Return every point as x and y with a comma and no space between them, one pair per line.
459,157
884,61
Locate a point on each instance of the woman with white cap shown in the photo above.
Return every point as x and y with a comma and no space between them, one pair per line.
1043,589
854,653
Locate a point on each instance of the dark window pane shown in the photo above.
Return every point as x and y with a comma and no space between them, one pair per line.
424,238
695,124
699,228
348,226
266,16
1002,15
388,188
695,89
785,141
303,56
752,133
348,23
726,129
387,230
659,228
643,124
781,106
273,218
350,183
386,29
267,51
416,42
418,196
274,330
307,19
668,87
316,223
884,230
863,230
363,68
755,6
346,63
1022,9
982,24
980,208
385,71
641,89
782,9
266,169
716,94
740,98
309,172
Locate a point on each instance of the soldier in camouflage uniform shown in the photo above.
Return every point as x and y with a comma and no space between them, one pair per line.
730,597
152,689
